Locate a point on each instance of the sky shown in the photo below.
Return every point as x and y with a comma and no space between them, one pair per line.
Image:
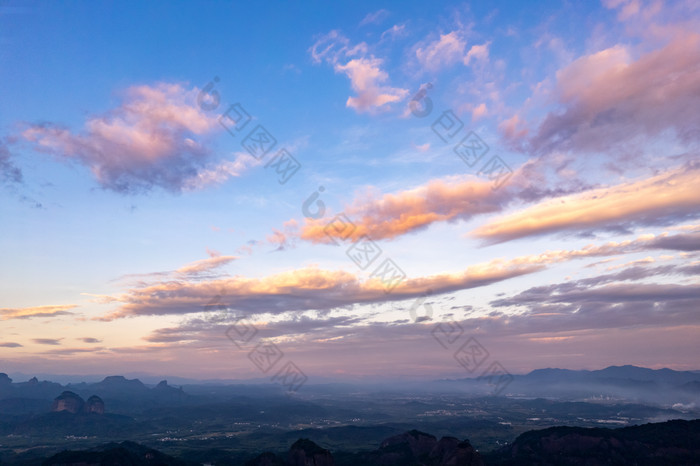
351,191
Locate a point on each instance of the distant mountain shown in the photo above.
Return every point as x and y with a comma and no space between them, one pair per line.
119,384
672,442
665,376
32,388
632,383
642,374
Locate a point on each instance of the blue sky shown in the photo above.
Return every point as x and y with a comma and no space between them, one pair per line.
128,208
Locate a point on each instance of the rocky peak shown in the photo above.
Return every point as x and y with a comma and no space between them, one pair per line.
95,405
68,401
419,443
417,447
304,452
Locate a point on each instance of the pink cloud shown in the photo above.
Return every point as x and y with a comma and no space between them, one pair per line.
479,112
367,78
479,53
149,140
205,265
443,52
608,98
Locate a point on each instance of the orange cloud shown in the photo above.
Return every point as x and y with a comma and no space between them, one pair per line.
38,311
648,201
393,215
312,288
205,265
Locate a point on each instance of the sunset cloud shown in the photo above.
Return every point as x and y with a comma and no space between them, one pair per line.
10,345
205,265
149,140
47,341
445,51
391,215
651,201
367,77
448,50
38,311
302,289
312,288
609,97
90,340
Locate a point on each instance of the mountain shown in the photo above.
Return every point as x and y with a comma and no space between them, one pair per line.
412,448
117,384
672,442
664,376
125,453
73,403
68,401
305,452
656,386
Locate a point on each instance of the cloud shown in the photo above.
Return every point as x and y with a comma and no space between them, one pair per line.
72,351
204,329
479,112
397,30
38,311
627,8
448,50
651,201
47,341
10,345
583,304
682,242
375,18
90,340
608,98
312,288
220,172
393,215
443,52
479,53
149,140
367,78
301,289
205,265
9,172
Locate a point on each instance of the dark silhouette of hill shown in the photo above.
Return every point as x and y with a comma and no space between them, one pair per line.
412,448
673,442
113,454
669,443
